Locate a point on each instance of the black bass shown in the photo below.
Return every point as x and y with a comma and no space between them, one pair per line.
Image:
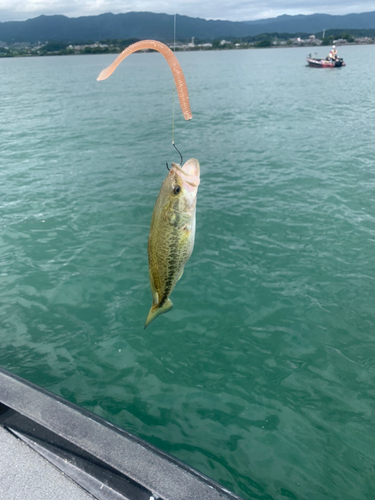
172,233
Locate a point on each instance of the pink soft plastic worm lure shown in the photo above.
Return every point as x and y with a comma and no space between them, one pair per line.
178,75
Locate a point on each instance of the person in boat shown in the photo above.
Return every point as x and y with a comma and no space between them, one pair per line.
332,56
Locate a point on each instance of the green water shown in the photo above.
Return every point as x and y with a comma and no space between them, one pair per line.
262,376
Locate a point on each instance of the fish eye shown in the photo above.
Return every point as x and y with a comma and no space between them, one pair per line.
176,189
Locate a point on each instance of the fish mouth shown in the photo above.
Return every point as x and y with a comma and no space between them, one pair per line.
189,173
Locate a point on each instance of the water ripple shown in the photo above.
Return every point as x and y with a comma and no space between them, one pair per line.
262,375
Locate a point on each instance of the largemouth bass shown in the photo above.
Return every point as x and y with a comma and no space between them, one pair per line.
172,234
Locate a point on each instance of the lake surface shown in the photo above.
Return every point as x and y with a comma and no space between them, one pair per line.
262,376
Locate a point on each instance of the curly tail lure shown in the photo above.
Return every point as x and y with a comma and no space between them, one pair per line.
171,59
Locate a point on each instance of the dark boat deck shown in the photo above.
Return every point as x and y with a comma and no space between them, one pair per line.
90,456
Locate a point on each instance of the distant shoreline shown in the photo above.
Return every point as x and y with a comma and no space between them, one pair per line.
94,49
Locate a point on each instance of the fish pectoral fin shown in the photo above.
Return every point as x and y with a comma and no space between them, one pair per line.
156,311
178,219
184,221
173,220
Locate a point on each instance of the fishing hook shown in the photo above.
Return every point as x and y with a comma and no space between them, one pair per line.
182,161
174,145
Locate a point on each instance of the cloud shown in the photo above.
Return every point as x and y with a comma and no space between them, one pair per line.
210,9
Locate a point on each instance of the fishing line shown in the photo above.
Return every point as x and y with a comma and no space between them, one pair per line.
174,90
174,87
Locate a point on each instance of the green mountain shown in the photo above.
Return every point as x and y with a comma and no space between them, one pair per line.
143,25
315,22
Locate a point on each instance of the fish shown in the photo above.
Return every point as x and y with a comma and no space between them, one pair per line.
172,234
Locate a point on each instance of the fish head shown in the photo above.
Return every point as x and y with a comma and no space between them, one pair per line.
178,194
183,184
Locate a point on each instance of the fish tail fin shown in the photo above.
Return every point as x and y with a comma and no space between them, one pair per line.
156,311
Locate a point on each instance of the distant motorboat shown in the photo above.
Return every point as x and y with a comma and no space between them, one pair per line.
315,62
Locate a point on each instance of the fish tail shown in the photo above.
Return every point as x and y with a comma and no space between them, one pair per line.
155,311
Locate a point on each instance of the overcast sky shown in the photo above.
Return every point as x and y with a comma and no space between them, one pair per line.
234,10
